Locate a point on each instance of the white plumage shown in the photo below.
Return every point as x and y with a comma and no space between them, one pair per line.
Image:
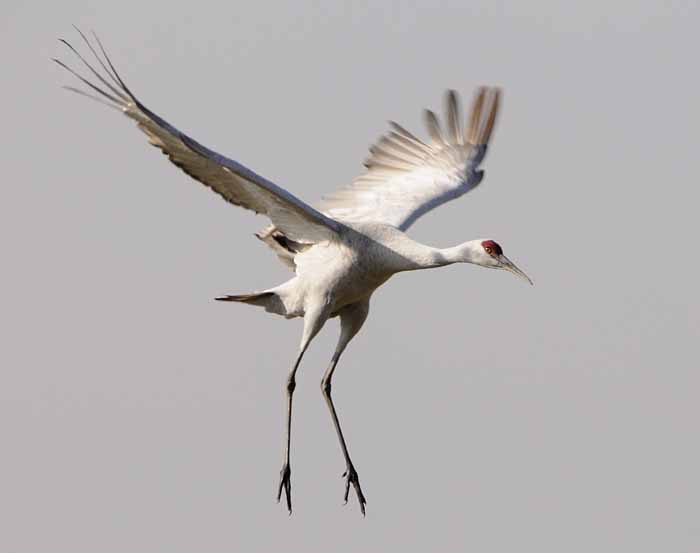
354,240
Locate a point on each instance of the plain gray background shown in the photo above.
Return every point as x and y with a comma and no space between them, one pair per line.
482,414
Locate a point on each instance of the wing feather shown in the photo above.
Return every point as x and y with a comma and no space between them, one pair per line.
234,182
434,130
406,135
406,177
453,116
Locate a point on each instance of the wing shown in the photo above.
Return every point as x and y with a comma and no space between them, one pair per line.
231,180
406,177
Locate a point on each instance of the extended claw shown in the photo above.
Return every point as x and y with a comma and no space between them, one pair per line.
286,484
351,476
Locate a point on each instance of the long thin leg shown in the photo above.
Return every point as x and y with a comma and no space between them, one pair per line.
350,473
285,473
351,320
314,319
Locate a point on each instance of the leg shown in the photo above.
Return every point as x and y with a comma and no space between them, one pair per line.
351,320
285,473
314,319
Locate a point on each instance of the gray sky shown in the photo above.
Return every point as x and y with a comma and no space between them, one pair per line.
137,414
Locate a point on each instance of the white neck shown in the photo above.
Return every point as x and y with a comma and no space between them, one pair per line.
415,256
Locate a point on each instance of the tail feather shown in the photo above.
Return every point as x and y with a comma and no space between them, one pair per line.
246,298
269,300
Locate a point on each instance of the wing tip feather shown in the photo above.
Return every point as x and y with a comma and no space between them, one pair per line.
487,99
453,116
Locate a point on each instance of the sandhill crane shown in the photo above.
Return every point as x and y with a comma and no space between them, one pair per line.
354,240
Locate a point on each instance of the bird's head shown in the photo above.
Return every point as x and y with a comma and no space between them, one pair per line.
489,254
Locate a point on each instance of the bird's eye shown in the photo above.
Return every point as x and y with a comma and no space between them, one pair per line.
488,250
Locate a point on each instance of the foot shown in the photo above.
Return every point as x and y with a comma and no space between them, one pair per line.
286,485
351,477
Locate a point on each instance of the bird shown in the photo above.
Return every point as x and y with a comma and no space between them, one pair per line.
353,241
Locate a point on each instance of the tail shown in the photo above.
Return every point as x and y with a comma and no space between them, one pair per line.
254,299
269,300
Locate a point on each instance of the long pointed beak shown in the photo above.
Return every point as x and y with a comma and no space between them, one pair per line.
509,266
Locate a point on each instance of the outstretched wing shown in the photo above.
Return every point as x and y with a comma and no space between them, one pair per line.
231,180
406,177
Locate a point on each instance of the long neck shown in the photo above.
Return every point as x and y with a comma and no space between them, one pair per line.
417,256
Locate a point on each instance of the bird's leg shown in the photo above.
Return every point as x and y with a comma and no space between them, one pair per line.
350,473
314,319
352,318
285,474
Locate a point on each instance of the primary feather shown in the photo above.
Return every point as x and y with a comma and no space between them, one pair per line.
406,178
234,182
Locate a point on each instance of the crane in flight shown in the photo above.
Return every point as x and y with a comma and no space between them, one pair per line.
354,240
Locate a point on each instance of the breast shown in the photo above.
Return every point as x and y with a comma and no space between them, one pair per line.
347,271
365,268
